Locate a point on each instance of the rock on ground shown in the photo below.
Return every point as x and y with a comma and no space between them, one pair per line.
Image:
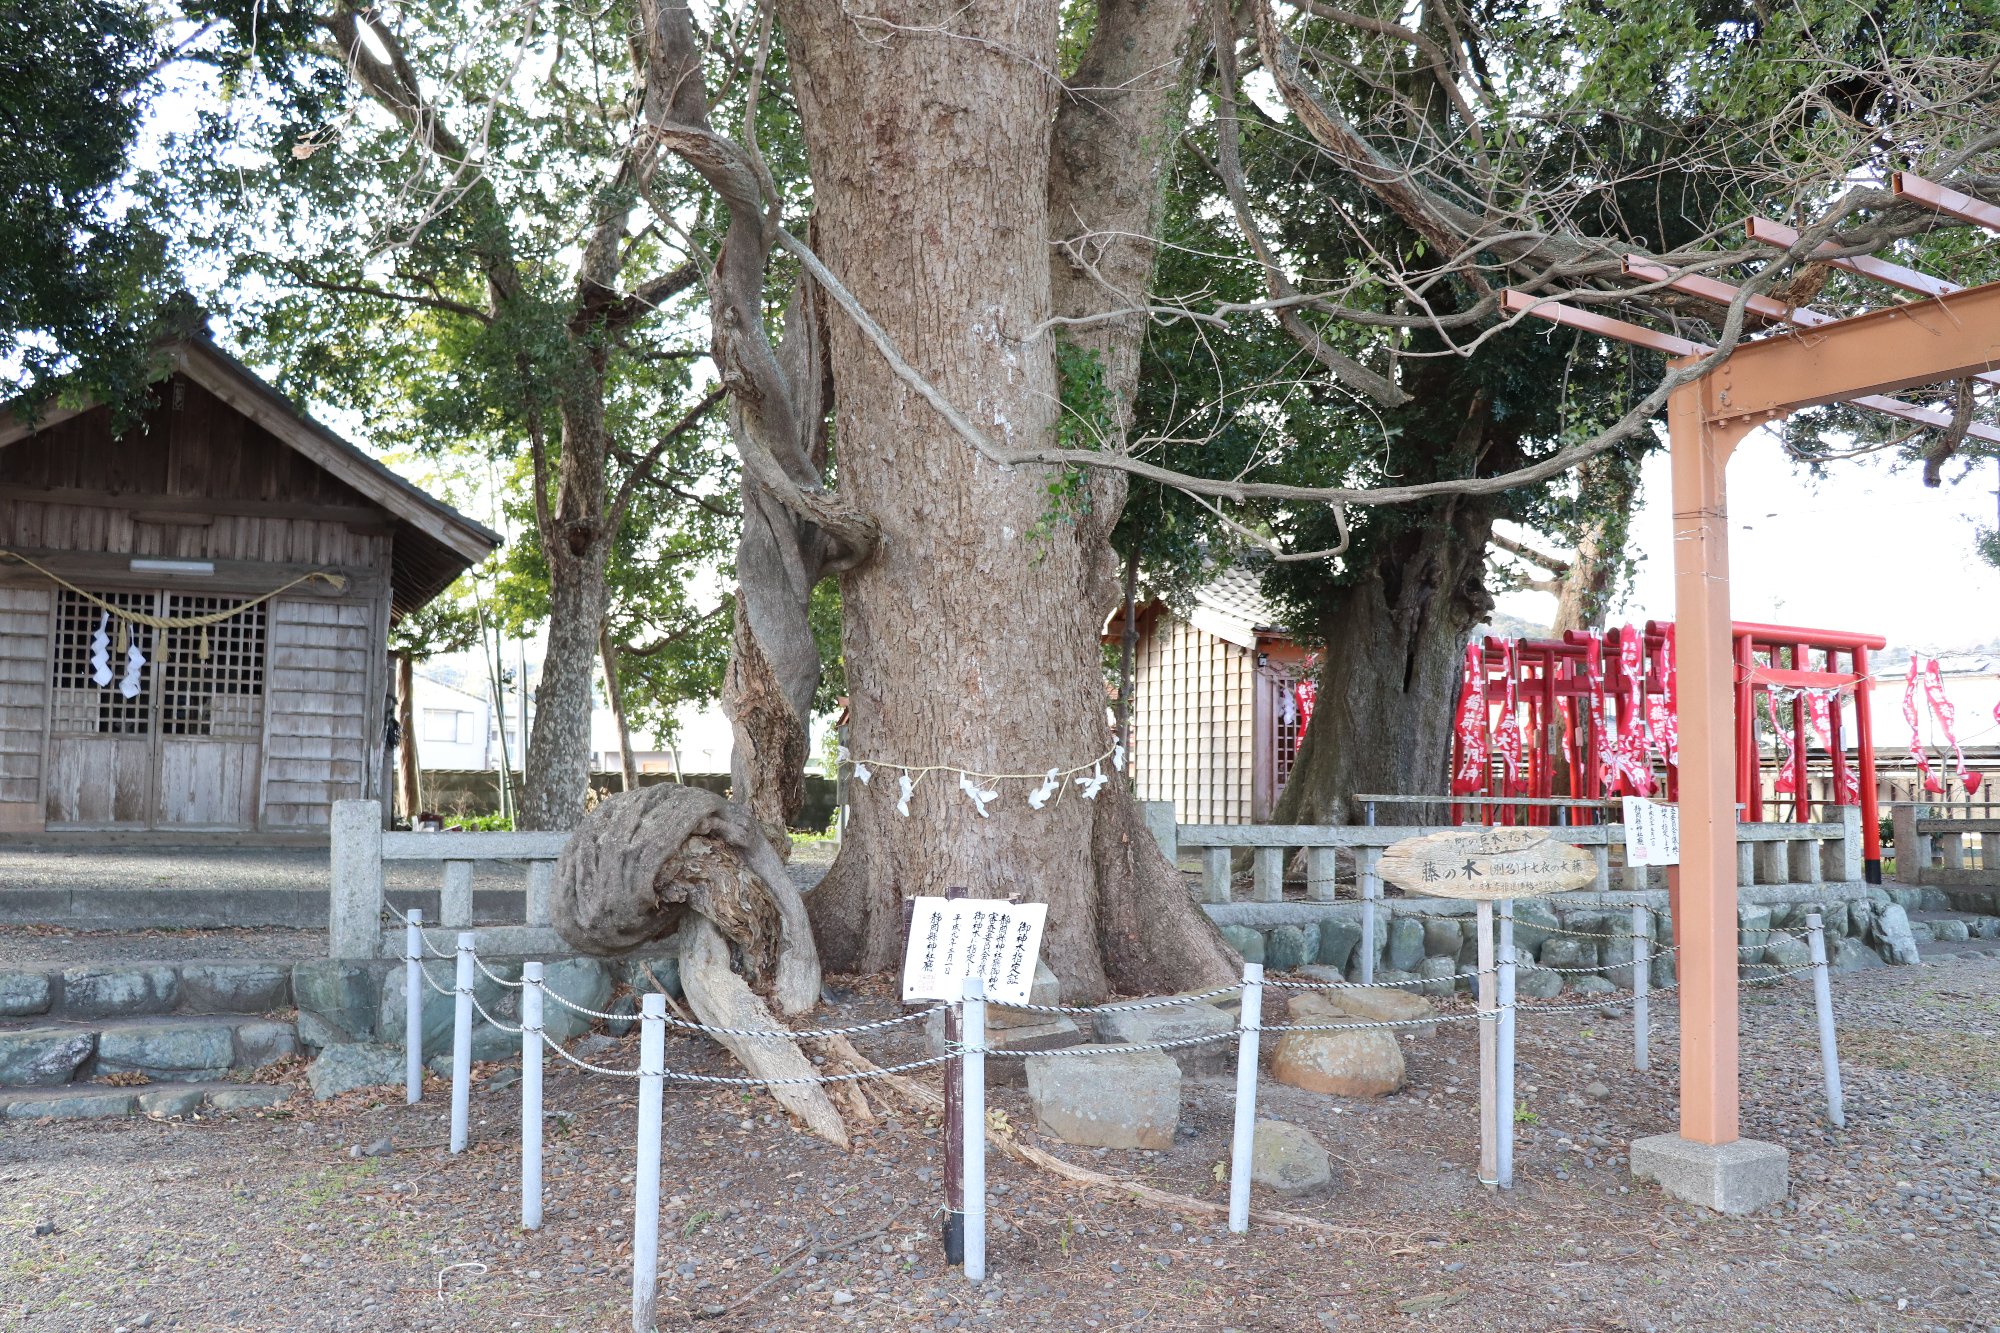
1288,1159
1107,1099
359,1065
1142,1027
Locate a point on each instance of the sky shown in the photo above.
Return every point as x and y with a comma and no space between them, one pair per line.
1866,548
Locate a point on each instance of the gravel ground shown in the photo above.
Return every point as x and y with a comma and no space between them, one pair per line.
259,1222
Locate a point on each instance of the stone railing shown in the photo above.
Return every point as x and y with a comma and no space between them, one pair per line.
1933,849
1775,853
355,927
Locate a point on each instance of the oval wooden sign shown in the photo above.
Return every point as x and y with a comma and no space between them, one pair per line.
1487,863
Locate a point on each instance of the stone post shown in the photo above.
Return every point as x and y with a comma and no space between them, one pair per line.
354,925
1911,855
1840,858
1159,817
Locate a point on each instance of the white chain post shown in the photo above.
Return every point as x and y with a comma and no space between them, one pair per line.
461,1045
972,1035
413,1007
531,1096
1503,1092
1489,1051
1829,1051
646,1178
1642,948
1249,1023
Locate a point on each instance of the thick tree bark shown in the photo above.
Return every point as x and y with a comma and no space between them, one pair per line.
409,787
556,771
1607,485
1389,673
971,636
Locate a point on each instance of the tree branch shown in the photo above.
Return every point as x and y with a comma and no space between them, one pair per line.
641,470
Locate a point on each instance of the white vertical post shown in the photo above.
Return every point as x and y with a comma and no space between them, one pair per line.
972,1040
646,1177
1243,1144
413,1008
1829,1052
1489,1051
1642,949
1503,1092
531,1096
461,1045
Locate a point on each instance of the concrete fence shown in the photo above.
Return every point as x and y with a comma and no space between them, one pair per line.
1774,853
1944,850
356,928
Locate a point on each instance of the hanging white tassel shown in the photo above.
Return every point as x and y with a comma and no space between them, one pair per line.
135,661
977,795
862,773
1094,783
1039,797
100,651
903,800
1118,756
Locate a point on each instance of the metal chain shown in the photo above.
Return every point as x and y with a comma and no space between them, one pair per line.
1132,1007
1109,1048
678,1076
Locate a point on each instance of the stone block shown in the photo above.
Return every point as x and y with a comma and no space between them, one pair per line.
316,1032
1851,955
1921,931
1949,930
1787,951
248,1098
491,1043
1567,951
1338,939
1401,1005
167,1102
1893,938
1441,975
1753,927
1141,1027
660,971
1247,942
1733,1178
1288,1159
1362,1062
1536,983
264,1042
581,981
1443,939
1833,919
1045,991
1287,947
345,994
1986,928
43,1057
1406,944
93,1105
235,988
23,994
440,1009
167,1050
1534,922
1054,1032
1111,1099
356,1065
118,992
1591,985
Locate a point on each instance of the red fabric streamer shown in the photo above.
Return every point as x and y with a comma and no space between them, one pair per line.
1931,783
1307,693
1786,784
1473,740
1510,741
1635,774
1947,717
1600,746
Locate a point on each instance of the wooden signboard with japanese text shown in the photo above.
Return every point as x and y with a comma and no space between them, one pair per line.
1487,864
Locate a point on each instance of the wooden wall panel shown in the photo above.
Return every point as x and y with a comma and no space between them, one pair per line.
1193,712
24,687
207,783
316,702
99,782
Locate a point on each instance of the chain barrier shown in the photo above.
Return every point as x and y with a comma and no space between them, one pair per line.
1132,1007
718,1080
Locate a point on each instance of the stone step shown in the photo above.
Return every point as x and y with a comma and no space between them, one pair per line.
90,1101
128,989
197,1047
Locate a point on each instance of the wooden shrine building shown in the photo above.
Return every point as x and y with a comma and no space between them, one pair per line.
194,616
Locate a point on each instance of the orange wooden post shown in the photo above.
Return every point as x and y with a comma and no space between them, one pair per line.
1706,929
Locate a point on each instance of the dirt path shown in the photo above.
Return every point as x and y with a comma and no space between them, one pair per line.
267,1222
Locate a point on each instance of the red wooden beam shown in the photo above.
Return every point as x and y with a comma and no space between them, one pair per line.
1945,200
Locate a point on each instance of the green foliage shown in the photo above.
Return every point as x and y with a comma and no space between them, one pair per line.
84,273
1987,543
1085,417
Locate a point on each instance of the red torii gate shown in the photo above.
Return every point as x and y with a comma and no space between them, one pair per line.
1949,333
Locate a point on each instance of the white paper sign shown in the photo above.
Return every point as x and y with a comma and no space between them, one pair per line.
1652,833
953,939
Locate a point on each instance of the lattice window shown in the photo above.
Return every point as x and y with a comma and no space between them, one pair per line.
81,705
213,678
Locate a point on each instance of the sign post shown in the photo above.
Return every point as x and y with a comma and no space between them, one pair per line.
955,940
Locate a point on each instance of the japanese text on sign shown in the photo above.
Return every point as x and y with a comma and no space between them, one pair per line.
1652,833
953,939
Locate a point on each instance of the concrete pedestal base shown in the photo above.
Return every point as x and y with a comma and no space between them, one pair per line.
1738,1177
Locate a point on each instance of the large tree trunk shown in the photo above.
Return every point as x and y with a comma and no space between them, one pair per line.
409,788
1389,673
971,636
1606,487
